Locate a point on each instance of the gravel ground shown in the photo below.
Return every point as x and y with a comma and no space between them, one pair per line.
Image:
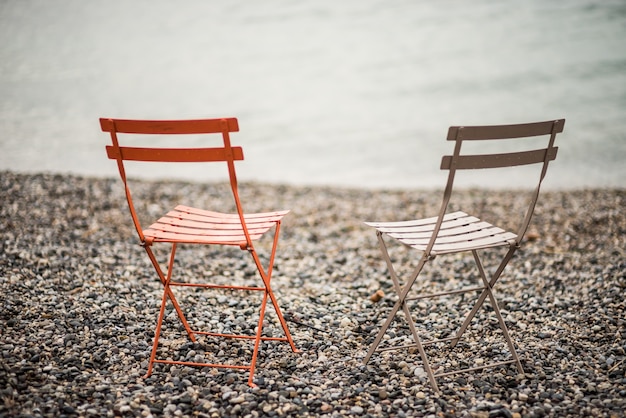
78,306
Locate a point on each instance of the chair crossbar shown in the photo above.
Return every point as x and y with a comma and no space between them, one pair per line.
217,286
440,340
191,363
471,369
446,293
415,345
238,336
396,347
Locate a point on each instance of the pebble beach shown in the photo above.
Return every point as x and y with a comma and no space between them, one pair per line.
79,302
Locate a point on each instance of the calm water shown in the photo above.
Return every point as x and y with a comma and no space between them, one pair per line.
355,92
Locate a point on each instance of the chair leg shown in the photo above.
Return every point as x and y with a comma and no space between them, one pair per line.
420,348
270,269
496,309
157,332
267,277
257,341
481,299
402,293
170,294
166,292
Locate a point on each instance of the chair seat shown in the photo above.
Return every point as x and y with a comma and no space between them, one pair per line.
459,232
186,224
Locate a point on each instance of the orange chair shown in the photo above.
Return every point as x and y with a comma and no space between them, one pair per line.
456,231
188,225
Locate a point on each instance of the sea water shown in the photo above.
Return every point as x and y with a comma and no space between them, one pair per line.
356,93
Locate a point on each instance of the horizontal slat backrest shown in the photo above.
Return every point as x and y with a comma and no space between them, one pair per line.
523,130
172,127
165,127
506,132
535,133
467,162
174,154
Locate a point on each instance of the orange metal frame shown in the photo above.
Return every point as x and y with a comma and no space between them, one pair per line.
186,225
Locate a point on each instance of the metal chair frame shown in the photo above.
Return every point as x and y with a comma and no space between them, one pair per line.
188,225
459,232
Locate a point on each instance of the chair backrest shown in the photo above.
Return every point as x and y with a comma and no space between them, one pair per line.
226,153
517,132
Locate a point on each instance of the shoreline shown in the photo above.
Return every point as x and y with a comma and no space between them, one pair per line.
78,306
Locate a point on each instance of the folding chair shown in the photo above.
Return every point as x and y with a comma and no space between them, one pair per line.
188,225
457,231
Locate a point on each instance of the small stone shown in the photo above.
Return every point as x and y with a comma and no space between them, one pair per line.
377,296
532,236
326,407
227,395
357,410
419,372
